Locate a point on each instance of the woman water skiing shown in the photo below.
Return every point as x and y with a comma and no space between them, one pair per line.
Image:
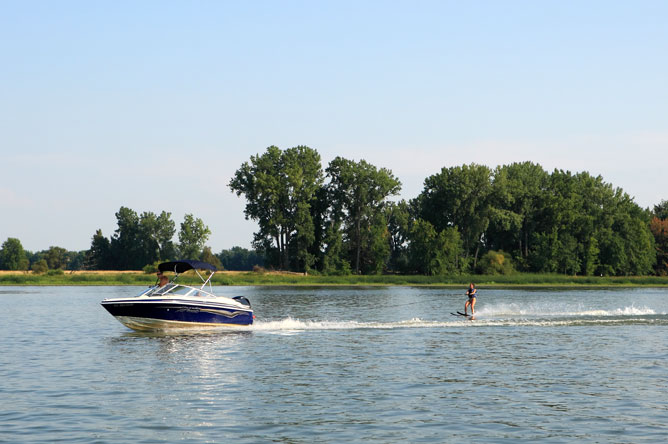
471,293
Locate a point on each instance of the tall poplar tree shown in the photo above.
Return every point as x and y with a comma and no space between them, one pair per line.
359,192
98,257
125,244
280,189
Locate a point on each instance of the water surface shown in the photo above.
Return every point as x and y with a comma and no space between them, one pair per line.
340,365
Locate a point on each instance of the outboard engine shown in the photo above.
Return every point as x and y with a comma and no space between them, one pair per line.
242,299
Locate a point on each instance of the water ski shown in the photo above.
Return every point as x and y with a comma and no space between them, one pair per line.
459,313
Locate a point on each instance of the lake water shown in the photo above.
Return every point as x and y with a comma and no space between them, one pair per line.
327,365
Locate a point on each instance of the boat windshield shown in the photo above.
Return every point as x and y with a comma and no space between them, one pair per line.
163,290
181,290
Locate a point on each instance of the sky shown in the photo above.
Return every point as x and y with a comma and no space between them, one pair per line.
153,105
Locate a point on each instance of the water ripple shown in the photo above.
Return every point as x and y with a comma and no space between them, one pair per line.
339,365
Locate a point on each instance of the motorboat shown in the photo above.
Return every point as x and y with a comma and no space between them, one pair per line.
175,305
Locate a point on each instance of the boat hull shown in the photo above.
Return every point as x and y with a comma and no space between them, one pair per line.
164,314
148,324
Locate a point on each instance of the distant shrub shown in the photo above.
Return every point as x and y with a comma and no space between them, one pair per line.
259,269
40,267
151,268
496,262
56,272
125,278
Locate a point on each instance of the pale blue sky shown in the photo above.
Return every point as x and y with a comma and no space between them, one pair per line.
154,104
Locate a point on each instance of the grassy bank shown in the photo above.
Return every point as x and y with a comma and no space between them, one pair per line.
250,278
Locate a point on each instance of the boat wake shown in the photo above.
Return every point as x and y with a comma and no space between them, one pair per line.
491,316
501,315
294,325
547,310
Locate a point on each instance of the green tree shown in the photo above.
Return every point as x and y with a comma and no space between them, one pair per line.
567,259
378,245
155,236
12,255
432,252
399,226
192,237
516,191
320,215
459,197
496,262
125,245
359,192
40,267
659,228
335,260
98,257
75,259
661,210
632,225
240,259
138,241
304,177
280,189
584,225
56,258
259,181
544,251
209,257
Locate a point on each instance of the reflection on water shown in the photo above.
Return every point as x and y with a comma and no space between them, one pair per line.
338,365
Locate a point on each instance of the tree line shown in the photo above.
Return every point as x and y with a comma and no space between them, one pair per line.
467,219
140,241
14,257
342,219
146,239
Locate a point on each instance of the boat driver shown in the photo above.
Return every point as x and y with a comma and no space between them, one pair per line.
163,280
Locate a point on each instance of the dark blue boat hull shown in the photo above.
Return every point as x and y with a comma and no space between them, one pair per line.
178,314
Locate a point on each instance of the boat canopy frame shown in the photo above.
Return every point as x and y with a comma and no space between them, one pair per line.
178,267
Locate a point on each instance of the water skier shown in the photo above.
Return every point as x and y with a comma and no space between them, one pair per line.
471,293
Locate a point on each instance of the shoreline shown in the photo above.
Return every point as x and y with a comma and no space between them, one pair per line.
291,279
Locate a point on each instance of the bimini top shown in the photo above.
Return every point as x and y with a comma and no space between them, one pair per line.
179,267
